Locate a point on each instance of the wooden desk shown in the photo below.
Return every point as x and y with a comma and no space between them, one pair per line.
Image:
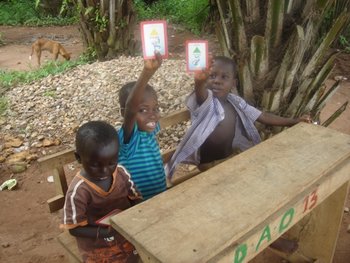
233,211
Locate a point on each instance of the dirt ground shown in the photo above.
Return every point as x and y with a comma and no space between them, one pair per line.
28,230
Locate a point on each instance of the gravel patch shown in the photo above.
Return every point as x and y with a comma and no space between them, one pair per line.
53,108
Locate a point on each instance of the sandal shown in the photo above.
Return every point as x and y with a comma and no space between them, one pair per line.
9,184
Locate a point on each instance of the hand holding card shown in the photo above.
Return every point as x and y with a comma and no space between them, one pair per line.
196,55
154,38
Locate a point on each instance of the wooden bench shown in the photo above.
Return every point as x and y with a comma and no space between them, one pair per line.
55,163
295,181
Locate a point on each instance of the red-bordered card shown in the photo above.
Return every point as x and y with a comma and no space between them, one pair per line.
154,38
196,55
106,220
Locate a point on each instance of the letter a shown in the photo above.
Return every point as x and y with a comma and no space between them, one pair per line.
265,234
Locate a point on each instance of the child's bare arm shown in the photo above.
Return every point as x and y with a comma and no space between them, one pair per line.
200,89
200,83
136,94
274,120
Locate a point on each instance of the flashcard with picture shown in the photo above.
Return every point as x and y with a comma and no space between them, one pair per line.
196,55
154,38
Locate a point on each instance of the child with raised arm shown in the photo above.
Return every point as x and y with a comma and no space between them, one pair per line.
99,188
222,123
139,151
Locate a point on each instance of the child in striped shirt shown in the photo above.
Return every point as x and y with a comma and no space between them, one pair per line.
139,149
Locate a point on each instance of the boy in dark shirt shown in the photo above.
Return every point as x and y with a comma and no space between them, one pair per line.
101,187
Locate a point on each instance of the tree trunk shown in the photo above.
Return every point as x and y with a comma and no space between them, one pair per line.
282,61
107,26
50,7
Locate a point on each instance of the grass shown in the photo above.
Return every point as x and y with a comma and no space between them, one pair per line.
190,13
13,78
3,105
9,79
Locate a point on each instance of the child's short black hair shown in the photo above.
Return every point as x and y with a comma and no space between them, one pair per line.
99,133
228,61
126,89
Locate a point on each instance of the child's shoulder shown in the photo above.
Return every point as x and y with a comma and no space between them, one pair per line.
123,172
77,179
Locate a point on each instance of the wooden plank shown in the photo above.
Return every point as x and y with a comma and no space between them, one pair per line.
174,118
70,244
316,196
211,216
166,155
318,232
60,180
56,203
57,160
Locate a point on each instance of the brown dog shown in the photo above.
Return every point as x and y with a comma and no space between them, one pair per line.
52,46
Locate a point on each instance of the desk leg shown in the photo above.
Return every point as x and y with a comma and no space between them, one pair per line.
318,232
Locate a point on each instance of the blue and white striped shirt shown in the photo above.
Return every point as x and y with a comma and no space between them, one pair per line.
142,158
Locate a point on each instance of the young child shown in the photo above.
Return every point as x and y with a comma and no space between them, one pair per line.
139,151
222,123
102,186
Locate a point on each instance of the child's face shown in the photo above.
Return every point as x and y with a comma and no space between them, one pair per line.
148,114
99,162
221,79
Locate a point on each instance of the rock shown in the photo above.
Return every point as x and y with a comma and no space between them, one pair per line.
2,158
18,167
18,157
13,142
85,93
34,134
32,157
47,142
346,209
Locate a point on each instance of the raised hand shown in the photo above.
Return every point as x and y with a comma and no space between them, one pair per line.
202,76
154,63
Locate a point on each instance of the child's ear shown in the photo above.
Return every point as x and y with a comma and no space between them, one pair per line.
77,157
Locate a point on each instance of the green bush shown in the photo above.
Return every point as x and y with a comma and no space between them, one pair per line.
190,13
337,7
23,12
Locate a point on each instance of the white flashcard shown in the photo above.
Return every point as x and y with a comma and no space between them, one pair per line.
154,38
196,55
